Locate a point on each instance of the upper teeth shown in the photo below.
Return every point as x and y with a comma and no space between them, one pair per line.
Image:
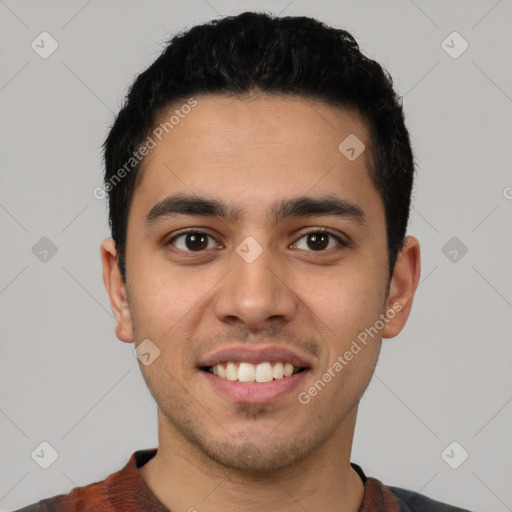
247,372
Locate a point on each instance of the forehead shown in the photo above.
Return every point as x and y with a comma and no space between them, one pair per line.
255,150
232,122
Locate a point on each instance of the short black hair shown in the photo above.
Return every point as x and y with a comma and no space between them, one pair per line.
259,52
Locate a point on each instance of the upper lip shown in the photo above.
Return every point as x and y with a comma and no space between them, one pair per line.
255,355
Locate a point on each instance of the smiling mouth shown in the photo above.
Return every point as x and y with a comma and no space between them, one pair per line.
248,372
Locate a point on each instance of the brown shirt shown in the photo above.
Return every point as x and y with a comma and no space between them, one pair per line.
126,491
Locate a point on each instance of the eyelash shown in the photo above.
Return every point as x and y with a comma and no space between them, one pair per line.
341,242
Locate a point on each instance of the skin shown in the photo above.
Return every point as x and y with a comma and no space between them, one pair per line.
214,454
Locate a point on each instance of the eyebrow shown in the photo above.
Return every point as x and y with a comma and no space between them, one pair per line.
304,206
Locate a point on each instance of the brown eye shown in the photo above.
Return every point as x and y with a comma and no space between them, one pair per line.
193,241
318,241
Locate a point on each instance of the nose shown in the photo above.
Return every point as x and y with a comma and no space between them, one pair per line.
256,293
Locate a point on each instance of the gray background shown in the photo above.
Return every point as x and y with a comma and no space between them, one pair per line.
67,380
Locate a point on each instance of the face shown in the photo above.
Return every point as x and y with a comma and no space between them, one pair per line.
257,285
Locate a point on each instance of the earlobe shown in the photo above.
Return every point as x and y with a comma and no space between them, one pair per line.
402,288
116,289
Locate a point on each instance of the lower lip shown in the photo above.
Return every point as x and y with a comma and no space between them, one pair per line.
255,392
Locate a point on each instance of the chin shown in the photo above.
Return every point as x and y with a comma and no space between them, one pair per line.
262,455
253,443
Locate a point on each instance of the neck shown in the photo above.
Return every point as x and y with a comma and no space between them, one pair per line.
184,478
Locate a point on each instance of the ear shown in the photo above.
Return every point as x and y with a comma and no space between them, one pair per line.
402,287
116,290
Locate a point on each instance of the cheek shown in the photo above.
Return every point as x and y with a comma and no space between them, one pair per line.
346,300
168,306
344,307
158,300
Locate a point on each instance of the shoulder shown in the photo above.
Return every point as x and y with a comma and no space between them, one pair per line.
118,491
411,501
386,498
91,497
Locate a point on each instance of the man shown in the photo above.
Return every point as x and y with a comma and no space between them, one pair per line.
259,179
